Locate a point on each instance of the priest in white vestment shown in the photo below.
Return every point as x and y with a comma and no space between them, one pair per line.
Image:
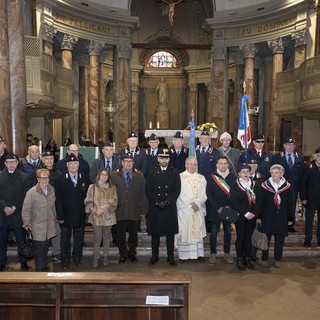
191,213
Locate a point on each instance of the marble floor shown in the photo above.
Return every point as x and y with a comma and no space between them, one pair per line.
221,291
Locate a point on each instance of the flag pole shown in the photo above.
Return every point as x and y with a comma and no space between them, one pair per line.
245,123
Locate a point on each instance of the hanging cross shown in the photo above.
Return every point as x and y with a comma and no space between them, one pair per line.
171,4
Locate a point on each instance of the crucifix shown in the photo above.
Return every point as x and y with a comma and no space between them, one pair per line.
171,4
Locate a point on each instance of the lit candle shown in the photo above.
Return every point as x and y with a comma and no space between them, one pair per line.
158,125
40,147
150,125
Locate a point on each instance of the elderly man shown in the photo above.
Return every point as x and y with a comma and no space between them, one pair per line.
258,152
14,185
84,167
191,213
293,164
132,203
138,154
107,160
31,163
71,189
163,189
3,153
230,153
207,155
310,198
218,193
178,152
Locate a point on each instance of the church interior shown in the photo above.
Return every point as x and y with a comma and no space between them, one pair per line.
95,68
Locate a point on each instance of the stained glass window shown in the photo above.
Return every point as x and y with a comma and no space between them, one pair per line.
162,59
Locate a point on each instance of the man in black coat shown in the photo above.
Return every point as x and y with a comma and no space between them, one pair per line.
310,197
178,152
138,154
293,164
163,189
71,189
14,185
152,152
3,153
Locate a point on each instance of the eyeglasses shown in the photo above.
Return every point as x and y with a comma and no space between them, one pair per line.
259,141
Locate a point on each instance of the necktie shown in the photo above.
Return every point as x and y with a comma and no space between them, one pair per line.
128,179
203,150
132,153
108,165
290,163
34,163
74,181
178,152
152,154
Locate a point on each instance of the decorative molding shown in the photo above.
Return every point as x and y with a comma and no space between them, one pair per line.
95,48
300,37
248,50
124,51
49,32
276,45
219,53
68,42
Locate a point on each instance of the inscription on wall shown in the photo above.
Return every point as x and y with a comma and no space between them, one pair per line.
85,25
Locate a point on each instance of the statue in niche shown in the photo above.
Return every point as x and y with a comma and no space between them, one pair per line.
162,90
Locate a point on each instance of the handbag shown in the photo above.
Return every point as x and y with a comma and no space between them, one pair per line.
229,215
26,249
259,239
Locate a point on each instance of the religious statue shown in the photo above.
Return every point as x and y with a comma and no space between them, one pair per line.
162,90
171,5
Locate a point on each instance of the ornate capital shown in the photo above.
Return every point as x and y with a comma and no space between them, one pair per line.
300,37
193,86
95,48
248,50
134,86
218,53
276,45
49,32
68,42
124,51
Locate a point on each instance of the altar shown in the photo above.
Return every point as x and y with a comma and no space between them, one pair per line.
168,134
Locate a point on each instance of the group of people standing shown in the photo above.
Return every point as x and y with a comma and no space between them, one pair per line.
181,196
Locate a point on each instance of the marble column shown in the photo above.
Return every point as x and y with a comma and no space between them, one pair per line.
135,106
18,82
95,49
67,45
5,119
277,49
218,88
238,93
103,120
83,62
48,34
299,56
122,82
317,33
256,94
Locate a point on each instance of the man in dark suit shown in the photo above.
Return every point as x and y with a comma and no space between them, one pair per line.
152,152
310,191
293,164
14,185
207,155
107,160
163,189
31,163
138,154
3,153
178,152
71,189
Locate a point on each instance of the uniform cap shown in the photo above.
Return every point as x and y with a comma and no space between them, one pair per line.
132,135
71,157
204,133
11,156
289,140
47,153
153,137
243,166
107,144
178,135
164,153
225,136
252,161
127,156
258,136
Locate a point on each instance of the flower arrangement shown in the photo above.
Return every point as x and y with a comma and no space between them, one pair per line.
208,126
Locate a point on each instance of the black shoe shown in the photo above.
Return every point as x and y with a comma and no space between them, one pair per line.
133,258
24,266
249,264
254,259
291,229
240,264
171,260
202,259
2,267
307,244
154,259
122,259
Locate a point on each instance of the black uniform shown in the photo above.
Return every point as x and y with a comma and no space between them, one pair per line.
139,158
207,161
178,161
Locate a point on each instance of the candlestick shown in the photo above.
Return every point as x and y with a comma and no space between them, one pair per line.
150,125
158,125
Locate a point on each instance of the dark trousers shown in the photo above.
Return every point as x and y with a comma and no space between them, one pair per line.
19,232
155,243
132,227
65,245
40,259
215,227
244,229
278,247
309,224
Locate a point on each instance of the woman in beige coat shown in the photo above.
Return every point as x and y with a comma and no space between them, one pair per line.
101,203
39,216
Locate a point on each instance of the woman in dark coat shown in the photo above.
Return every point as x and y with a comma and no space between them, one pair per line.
276,207
243,194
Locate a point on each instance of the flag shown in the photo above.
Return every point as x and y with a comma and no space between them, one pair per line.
244,133
192,143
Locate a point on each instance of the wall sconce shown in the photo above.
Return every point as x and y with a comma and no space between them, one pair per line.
111,110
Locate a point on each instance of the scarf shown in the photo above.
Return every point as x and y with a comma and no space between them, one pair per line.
222,184
276,188
247,187
223,174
